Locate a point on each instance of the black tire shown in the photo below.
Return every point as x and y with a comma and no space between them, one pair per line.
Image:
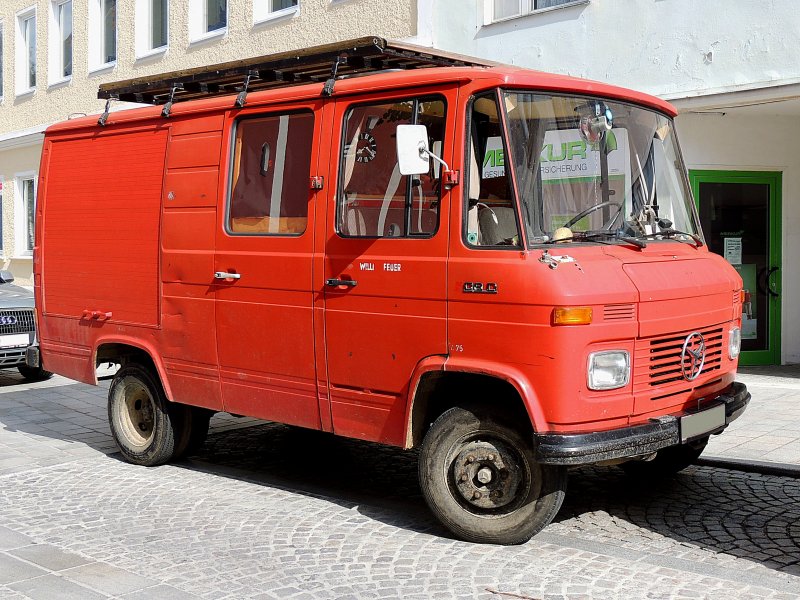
668,461
34,373
144,424
194,429
480,479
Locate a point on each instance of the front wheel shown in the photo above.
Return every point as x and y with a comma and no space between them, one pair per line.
34,373
480,479
140,416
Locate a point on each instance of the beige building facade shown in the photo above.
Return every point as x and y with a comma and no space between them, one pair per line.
55,53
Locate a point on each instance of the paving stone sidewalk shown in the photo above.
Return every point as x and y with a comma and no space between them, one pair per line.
268,511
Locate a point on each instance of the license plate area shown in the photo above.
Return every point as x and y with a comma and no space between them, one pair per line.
14,340
702,423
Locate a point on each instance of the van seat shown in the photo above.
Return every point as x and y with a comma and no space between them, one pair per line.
493,233
285,225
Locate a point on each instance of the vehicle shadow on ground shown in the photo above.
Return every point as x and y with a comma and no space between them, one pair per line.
750,516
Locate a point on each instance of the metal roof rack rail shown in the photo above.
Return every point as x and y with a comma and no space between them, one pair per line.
322,64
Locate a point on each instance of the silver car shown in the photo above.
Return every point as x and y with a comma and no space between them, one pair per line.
17,329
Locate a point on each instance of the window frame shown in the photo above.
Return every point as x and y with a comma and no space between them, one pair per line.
144,30
2,71
488,10
265,15
97,36
496,92
340,168
55,43
20,214
22,58
198,22
231,167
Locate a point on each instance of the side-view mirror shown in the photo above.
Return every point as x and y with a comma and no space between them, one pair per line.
412,149
6,277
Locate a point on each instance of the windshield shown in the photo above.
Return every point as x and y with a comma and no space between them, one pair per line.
588,168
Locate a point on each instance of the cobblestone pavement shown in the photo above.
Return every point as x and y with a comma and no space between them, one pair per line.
268,511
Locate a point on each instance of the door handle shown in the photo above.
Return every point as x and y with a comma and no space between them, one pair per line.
771,286
224,275
338,282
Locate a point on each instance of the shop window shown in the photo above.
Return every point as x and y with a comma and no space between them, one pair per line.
152,27
59,46
375,200
265,10
491,213
499,10
26,51
270,175
102,33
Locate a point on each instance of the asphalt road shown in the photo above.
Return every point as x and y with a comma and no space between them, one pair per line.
268,511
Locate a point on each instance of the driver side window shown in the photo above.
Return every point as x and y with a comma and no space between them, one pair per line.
491,214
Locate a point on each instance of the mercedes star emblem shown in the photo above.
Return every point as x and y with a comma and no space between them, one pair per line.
693,356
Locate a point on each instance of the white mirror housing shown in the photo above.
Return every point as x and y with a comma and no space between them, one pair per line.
412,149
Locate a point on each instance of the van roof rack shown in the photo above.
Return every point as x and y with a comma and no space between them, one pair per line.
324,63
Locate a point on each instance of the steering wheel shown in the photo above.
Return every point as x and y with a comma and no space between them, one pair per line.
592,209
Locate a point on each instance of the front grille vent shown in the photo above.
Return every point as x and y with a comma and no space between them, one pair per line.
16,321
663,359
619,312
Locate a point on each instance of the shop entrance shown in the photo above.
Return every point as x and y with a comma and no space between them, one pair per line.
740,212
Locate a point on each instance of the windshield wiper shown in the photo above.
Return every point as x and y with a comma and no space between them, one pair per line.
672,234
599,236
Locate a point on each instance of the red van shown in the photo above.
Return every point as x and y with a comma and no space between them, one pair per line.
501,267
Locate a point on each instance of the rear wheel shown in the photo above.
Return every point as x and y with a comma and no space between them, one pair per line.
34,373
144,425
480,479
667,462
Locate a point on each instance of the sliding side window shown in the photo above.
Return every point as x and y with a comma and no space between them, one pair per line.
270,175
375,200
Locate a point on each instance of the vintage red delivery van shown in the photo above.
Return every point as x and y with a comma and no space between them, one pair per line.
501,267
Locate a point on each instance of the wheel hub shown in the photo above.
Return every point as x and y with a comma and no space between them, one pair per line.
486,474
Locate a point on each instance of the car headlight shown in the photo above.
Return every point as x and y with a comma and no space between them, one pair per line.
734,342
608,370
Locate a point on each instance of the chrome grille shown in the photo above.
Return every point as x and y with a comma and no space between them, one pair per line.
22,321
659,359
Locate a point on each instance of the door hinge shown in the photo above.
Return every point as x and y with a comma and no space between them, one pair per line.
317,182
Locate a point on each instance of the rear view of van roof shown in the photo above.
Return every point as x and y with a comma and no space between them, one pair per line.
317,64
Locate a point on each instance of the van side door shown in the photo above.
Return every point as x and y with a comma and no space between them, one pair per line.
263,265
385,260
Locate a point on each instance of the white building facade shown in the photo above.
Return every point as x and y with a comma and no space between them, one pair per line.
732,68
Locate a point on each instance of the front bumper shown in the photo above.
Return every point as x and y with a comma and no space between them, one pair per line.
638,440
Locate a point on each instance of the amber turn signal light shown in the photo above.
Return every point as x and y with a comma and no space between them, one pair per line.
572,315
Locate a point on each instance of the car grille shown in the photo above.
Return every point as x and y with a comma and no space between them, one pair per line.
658,360
16,321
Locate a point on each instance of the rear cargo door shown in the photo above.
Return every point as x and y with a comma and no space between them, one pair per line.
385,261
263,266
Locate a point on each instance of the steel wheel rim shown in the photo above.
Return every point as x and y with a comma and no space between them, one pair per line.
135,413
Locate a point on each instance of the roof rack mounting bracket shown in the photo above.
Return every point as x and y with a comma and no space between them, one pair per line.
327,89
168,106
104,117
242,97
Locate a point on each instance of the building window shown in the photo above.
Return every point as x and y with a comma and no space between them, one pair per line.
265,10
60,43
26,51
102,33
507,9
207,18
271,170
374,199
152,26
24,211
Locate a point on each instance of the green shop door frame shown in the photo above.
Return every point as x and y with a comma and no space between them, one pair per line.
771,355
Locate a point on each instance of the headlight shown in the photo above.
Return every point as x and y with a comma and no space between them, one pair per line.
608,370
734,342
